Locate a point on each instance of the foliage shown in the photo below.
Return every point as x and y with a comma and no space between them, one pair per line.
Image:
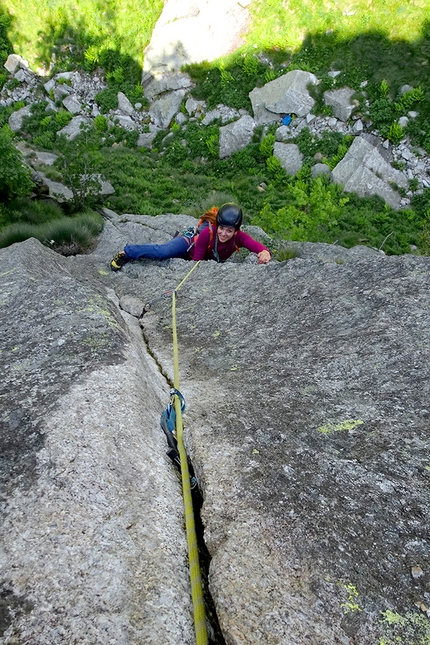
229,81
385,112
5,113
331,146
311,213
107,99
274,167
408,99
84,34
5,43
266,146
200,141
101,123
395,133
78,164
15,177
69,235
29,211
42,127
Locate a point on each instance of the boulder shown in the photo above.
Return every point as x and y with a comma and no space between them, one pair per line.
72,104
340,101
262,116
125,122
320,169
163,109
61,91
14,62
25,75
194,107
283,133
223,112
91,539
287,94
167,82
290,157
189,32
57,190
365,171
49,85
45,158
72,129
124,105
145,139
16,118
235,136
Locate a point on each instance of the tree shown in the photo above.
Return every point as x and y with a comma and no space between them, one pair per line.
15,176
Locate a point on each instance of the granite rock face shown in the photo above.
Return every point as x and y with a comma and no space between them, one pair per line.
85,484
190,32
307,423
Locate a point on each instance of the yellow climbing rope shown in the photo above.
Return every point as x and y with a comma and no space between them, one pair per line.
193,554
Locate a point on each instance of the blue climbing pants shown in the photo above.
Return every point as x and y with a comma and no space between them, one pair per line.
175,248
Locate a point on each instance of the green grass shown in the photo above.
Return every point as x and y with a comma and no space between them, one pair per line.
86,32
68,235
284,26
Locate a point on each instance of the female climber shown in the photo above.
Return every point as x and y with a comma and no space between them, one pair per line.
216,241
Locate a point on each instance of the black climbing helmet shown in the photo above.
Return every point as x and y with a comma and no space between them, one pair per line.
230,215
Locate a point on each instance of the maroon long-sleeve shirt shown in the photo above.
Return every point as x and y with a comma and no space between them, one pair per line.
203,248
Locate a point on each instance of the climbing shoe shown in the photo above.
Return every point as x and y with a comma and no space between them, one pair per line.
119,260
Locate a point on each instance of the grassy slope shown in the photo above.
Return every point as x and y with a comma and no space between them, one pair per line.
367,40
71,27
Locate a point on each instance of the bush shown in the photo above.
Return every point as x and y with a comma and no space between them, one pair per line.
101,123
5,44
312,214
15,177
79,164
30,211
42,127
68,235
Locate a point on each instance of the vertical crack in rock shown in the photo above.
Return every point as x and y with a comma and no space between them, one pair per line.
214,630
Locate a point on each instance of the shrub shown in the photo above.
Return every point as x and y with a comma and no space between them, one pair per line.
312,213
63,118
79,163
15,177
31,211
101,123
107,99
69,235
409,99
76,234
266,146
395,133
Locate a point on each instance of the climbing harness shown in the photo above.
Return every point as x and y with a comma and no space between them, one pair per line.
171,419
